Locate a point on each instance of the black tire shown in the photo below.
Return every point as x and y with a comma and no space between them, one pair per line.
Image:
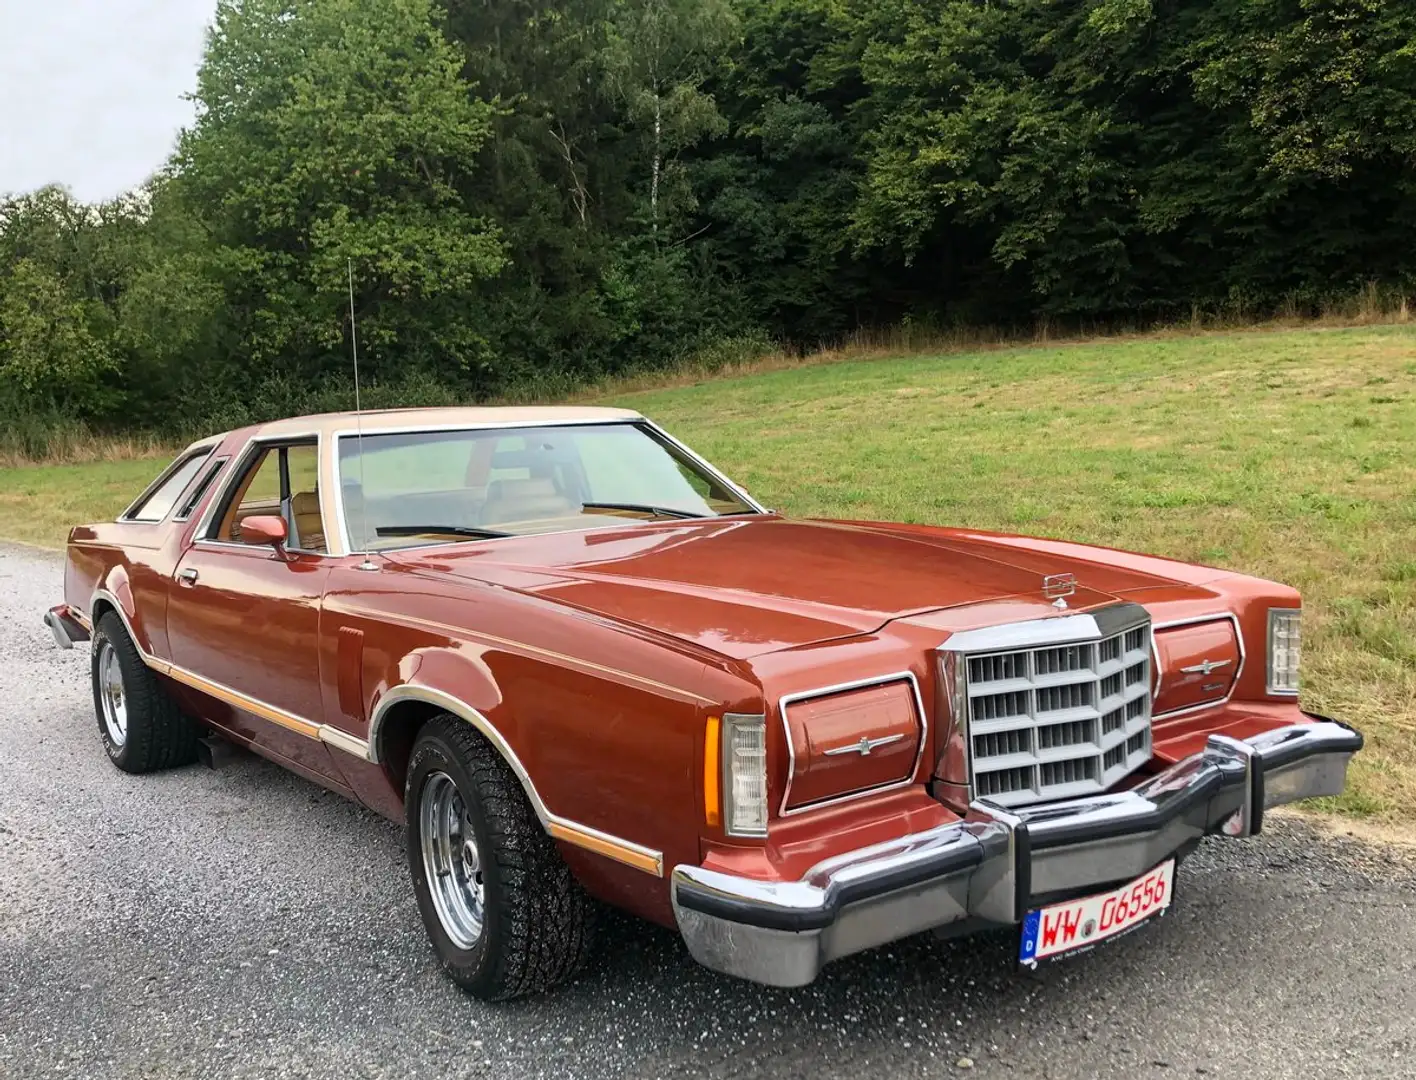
157,735
537,921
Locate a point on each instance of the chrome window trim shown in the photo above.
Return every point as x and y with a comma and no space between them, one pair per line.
202,450
237,465
1195,620
205,479
615,523
342,521
840,688
237,545
704,464
1268,652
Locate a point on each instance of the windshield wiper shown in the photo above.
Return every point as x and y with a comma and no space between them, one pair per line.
452,530
657,511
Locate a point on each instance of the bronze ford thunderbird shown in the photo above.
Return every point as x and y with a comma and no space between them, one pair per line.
578,663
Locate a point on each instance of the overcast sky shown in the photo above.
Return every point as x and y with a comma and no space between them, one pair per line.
91,90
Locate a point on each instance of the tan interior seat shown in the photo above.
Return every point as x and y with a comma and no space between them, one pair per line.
524,500
309,524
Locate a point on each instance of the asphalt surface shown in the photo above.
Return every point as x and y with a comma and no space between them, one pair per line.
244,923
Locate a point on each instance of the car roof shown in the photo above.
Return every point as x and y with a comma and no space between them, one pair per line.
432,419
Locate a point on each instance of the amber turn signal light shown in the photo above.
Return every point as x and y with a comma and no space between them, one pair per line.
712,748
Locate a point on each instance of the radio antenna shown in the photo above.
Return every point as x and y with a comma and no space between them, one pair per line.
368,563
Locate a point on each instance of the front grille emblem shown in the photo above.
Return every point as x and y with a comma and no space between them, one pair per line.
864,747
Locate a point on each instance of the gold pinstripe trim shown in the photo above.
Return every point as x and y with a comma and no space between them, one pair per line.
280,717
589,666
641,858
325,733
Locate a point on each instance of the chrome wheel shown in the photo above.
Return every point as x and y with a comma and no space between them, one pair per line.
451,860
111,696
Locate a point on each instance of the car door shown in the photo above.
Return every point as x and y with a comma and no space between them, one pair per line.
243,619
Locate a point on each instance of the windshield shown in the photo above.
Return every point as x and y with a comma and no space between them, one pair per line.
427,487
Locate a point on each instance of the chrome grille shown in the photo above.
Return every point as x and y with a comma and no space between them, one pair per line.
1059,720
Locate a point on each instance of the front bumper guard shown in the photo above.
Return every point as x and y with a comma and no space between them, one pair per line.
995,865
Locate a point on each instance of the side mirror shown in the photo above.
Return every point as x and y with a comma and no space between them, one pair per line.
264,529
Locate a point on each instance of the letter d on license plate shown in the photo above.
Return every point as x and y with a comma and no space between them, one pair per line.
1060,930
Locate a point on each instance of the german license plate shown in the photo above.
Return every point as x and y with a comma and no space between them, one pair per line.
1066,929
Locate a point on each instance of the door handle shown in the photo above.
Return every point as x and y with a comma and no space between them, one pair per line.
187,577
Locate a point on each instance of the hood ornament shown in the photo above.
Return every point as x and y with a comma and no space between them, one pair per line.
1204,667
1057,587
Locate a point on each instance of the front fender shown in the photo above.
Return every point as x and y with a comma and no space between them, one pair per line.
453,681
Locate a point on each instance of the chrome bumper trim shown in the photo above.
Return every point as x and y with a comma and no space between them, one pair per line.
65,627
996,864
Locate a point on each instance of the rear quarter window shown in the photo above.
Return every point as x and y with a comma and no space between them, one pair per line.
157,502
190,503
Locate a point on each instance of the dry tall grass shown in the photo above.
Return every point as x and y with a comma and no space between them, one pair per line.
81,447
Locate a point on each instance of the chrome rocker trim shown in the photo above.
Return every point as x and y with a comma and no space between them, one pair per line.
995,865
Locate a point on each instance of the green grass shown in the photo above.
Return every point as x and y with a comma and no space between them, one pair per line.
1291,455
39,503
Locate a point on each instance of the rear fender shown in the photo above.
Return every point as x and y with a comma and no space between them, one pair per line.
116,594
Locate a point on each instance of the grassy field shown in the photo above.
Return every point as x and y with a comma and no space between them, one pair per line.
1290,455
38,503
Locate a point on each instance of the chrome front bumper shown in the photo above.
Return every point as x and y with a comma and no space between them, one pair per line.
996,865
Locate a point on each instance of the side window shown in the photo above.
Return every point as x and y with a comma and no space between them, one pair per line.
282,482
257,494
158,503
305,520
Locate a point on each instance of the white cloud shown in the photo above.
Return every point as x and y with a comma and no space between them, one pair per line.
91,90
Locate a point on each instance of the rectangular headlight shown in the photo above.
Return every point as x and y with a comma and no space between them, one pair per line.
745,775
1284,641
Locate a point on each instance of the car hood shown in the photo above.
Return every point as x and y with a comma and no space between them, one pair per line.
748,586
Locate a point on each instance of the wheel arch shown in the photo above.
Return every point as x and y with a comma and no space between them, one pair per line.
401,713
116,596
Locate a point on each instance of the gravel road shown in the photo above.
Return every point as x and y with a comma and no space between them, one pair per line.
244,923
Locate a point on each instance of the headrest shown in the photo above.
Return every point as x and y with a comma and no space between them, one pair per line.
531,487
